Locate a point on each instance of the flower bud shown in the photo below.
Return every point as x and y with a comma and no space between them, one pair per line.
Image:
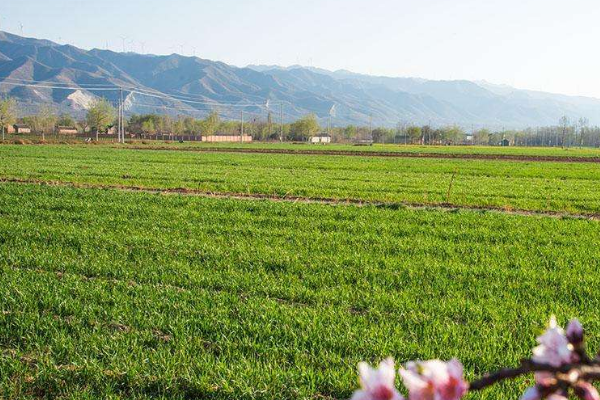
377,384
575,332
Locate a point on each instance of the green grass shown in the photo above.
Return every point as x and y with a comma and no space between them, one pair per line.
395,148
548,186
107,294
113,294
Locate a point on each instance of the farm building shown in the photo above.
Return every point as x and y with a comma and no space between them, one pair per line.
9,129
66,130
227,138
323,138
366,140
21,128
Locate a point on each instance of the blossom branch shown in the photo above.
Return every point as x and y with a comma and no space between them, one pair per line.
560,365
590,371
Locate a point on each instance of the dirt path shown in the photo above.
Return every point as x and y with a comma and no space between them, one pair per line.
310,200
498,157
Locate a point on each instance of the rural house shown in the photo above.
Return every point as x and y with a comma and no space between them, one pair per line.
227,138
66,130
21,128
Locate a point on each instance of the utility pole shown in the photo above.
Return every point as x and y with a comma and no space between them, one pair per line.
122,117
119,118
281,122
242,126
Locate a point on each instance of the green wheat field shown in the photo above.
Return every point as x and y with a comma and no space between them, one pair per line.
200,288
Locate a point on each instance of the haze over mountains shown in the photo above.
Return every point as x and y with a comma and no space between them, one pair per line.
189,85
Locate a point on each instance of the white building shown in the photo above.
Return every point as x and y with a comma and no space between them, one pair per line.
323,139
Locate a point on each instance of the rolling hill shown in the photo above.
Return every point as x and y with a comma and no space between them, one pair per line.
69,78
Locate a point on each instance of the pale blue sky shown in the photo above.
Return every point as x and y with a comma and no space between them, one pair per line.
537,44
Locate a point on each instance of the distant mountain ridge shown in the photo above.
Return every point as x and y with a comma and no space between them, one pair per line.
196,86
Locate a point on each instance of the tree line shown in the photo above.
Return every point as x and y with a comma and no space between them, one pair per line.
101,116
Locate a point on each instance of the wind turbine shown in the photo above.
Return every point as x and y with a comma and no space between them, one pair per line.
123,41
143,45
21,26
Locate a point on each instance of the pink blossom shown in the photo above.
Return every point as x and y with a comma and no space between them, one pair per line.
377,384
554,348
586,391
434,380
533,393
557,396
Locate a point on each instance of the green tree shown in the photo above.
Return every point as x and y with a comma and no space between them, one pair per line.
34,122
382,135
305,127
210,124
65,120
179,127
452,134
8,113
350,132
148,127
414,133
427,134
482,136
100,115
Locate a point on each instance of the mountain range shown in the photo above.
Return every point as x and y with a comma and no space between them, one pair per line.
36,72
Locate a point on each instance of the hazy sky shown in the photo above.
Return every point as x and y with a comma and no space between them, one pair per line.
537,44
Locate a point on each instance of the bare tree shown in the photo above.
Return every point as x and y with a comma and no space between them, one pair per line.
7,113
47,120
583,124
564,123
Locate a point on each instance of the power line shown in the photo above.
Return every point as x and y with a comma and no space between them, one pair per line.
133,89
19,80
167,97
59,87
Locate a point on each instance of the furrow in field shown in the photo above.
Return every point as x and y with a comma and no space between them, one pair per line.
437,206
396,154
243,295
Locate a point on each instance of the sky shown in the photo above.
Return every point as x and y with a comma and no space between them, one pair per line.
546,45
